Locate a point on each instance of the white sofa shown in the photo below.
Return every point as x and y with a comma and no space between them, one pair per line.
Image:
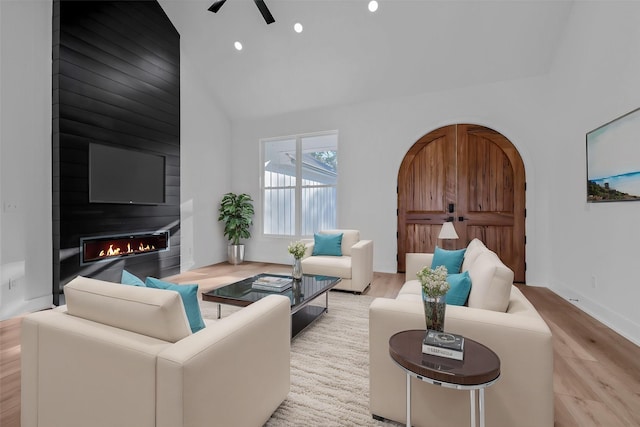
498,316
354,267
119,355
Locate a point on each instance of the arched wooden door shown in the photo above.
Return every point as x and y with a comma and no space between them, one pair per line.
472,174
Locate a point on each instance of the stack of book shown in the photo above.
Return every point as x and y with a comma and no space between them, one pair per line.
272,283
443,344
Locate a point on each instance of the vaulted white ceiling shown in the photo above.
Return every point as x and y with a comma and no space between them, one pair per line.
347,54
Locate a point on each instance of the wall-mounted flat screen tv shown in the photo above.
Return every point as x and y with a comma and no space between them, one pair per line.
120,175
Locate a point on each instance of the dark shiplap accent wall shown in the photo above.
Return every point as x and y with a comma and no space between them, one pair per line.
116,81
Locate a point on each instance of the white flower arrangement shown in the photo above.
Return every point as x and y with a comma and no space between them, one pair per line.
434,281
297,249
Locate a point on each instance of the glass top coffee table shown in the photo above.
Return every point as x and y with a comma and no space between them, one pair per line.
301,293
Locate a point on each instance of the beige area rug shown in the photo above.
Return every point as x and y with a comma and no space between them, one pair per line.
329,366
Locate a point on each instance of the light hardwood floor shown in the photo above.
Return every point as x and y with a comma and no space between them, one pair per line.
596,374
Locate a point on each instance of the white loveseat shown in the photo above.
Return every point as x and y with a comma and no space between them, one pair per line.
125,356
354,267
499,316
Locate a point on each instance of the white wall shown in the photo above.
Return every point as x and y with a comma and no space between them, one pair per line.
594,79
25,156
25,160
205,138
205,168
593,247
374,138
569,241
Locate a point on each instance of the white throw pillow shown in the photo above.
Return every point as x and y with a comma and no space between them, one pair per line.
491,283
474,248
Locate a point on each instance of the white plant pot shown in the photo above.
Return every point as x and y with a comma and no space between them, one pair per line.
235,254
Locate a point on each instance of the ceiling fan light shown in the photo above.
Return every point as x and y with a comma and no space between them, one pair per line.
373,6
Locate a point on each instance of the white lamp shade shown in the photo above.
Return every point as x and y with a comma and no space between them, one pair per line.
447,231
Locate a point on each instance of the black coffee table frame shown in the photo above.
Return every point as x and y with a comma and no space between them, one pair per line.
301,294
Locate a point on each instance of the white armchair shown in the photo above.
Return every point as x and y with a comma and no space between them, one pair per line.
354,267
125,356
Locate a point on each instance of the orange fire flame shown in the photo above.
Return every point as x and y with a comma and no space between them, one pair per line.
117,251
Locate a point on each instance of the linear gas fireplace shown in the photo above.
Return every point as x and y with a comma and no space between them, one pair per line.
100,248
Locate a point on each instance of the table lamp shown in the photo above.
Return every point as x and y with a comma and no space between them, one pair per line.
447,232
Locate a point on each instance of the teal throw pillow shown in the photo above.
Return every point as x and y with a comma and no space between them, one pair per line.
450,259
130,279
327,244
189,295
460,288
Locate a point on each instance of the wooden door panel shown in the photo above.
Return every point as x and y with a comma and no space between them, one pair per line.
427,179
421,236
490,177
426,187
478,172
491,194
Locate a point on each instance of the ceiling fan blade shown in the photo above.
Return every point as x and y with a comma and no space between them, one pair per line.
265,11
215,7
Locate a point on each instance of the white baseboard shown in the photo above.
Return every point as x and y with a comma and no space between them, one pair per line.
613,320
28,306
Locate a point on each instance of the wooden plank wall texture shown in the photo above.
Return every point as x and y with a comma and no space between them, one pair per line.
116,81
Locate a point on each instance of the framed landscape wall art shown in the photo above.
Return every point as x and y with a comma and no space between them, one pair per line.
613,160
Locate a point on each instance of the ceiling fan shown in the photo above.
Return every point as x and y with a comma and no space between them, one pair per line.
264,10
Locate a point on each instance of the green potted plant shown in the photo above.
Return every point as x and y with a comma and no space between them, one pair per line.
236,211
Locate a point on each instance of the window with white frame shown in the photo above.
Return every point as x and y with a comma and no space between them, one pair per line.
299,183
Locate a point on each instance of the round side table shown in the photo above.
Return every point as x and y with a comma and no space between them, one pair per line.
479,369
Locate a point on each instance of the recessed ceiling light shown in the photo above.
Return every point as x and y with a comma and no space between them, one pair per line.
297,27
373,6
237,45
